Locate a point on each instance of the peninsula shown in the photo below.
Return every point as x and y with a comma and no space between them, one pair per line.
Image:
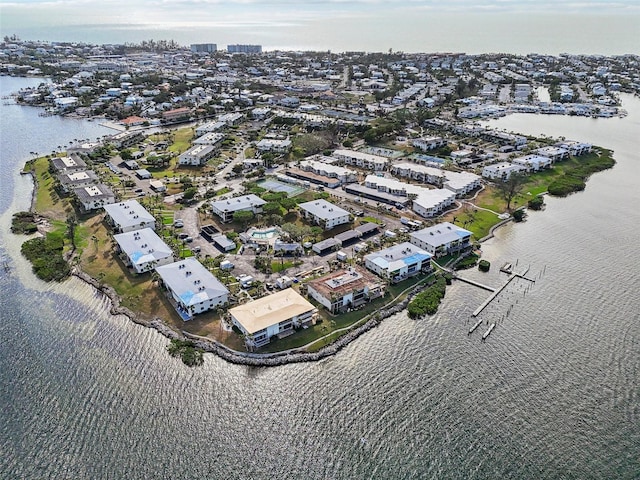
271,206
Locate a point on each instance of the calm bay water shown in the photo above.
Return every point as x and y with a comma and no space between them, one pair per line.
553,393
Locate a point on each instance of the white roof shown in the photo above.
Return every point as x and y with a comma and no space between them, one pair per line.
143,246
243,202
425,197
441,234
270,310
317,166
323,209
360,155
191,282
128,213
397,256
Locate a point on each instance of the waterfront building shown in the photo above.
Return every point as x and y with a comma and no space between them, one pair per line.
554,153
143,250
501,171
71,180
345,288
533,163
231,119
277,314
192,288
126,139
324,213
213,139
128,216
399,262
226,208
442,239
94,197
210,127
68,164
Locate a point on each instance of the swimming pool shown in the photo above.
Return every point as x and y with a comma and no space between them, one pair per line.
266,233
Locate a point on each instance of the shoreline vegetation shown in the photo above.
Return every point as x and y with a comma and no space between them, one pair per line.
401,108
78,241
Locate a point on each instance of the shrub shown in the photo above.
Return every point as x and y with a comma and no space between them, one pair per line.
536,203
427,301
518,215
484,265
24,222
186,349
45,254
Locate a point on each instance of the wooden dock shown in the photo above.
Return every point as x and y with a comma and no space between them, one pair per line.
497,292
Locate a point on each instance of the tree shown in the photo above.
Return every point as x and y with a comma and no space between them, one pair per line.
271,208
72,222
510,187
243,217
288,204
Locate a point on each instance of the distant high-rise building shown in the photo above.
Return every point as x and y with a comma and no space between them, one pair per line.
204,47
244,48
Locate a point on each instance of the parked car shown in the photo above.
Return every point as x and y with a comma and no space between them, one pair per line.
183,236
188,239
178,224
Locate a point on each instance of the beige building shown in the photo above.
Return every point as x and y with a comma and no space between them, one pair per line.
276,314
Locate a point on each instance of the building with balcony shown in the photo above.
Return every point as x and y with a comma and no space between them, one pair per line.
128,216
361,159
277,314
442,239
345,288
70,180
324,213
399,262
192,288
197,156
94,197
143,250
226,208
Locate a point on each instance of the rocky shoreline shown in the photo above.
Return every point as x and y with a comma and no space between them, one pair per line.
246,358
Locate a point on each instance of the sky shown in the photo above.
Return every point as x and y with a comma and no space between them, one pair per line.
371,25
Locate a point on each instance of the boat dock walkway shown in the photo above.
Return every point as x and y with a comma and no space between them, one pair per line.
497,292
473,282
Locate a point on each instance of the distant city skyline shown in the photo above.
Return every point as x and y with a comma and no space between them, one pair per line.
608,27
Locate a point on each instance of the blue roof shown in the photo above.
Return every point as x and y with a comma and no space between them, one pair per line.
416,257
